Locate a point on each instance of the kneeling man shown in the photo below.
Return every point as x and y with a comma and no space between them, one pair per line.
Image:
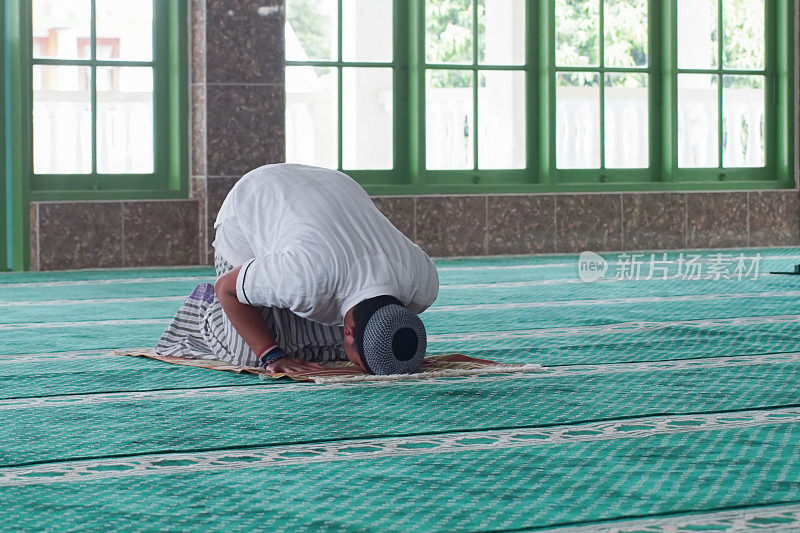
308,270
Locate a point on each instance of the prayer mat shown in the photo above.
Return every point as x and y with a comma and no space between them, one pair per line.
435,366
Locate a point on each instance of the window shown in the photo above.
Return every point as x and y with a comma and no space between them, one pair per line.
105,87
340,79
542,95
602,84
721,83
475,85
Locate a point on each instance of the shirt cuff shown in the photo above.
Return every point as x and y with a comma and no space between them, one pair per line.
244,291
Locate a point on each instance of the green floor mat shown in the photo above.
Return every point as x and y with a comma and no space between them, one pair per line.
668,404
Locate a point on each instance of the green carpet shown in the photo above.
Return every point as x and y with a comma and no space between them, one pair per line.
667,405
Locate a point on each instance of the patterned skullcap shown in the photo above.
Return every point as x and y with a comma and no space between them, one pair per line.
391,339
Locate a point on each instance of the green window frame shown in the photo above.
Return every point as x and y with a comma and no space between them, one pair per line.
778,86
602,72
169,178
5,220
400,129
410,175
475,69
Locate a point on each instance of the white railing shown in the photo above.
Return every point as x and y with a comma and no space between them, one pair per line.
743,128
311,132
626,130
62,132
449,128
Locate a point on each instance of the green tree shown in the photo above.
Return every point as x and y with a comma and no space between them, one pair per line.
578,37
743,39
448,38
449,35
312,25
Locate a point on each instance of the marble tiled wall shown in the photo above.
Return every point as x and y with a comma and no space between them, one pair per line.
238,96
562,223
237,124
67,235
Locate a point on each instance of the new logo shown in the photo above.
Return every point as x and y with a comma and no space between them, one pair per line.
591,266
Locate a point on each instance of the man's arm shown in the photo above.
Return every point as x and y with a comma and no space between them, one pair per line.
251,326
245,318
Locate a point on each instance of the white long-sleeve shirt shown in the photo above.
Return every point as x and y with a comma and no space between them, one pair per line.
311,240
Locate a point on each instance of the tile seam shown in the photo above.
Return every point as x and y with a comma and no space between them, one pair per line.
122,223
685,220
622,221
414,216
204,10
38,240
204,248
486,225
747,218
555,223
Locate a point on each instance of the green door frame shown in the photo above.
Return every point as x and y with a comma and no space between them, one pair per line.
15,215
4,222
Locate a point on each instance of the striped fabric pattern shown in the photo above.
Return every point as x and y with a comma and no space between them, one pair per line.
201,330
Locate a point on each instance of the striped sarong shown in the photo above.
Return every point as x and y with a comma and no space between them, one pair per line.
201,330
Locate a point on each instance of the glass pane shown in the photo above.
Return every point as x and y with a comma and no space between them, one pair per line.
367,126
626,121
448,119
367,30
577,120
124,120
501,32
501,119
311,27
312,119
61,28
743,34
625,28
743,132
698,38
62,120
577,32
448,31
698,120
124,29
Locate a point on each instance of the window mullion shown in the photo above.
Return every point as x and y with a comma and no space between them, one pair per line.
340,75
18,148
668,150
602,82
720,116
545,83
475,81
533,157
657,79
401,119
417,91
93,81
771,86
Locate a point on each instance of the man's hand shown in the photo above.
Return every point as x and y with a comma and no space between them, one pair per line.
292,365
